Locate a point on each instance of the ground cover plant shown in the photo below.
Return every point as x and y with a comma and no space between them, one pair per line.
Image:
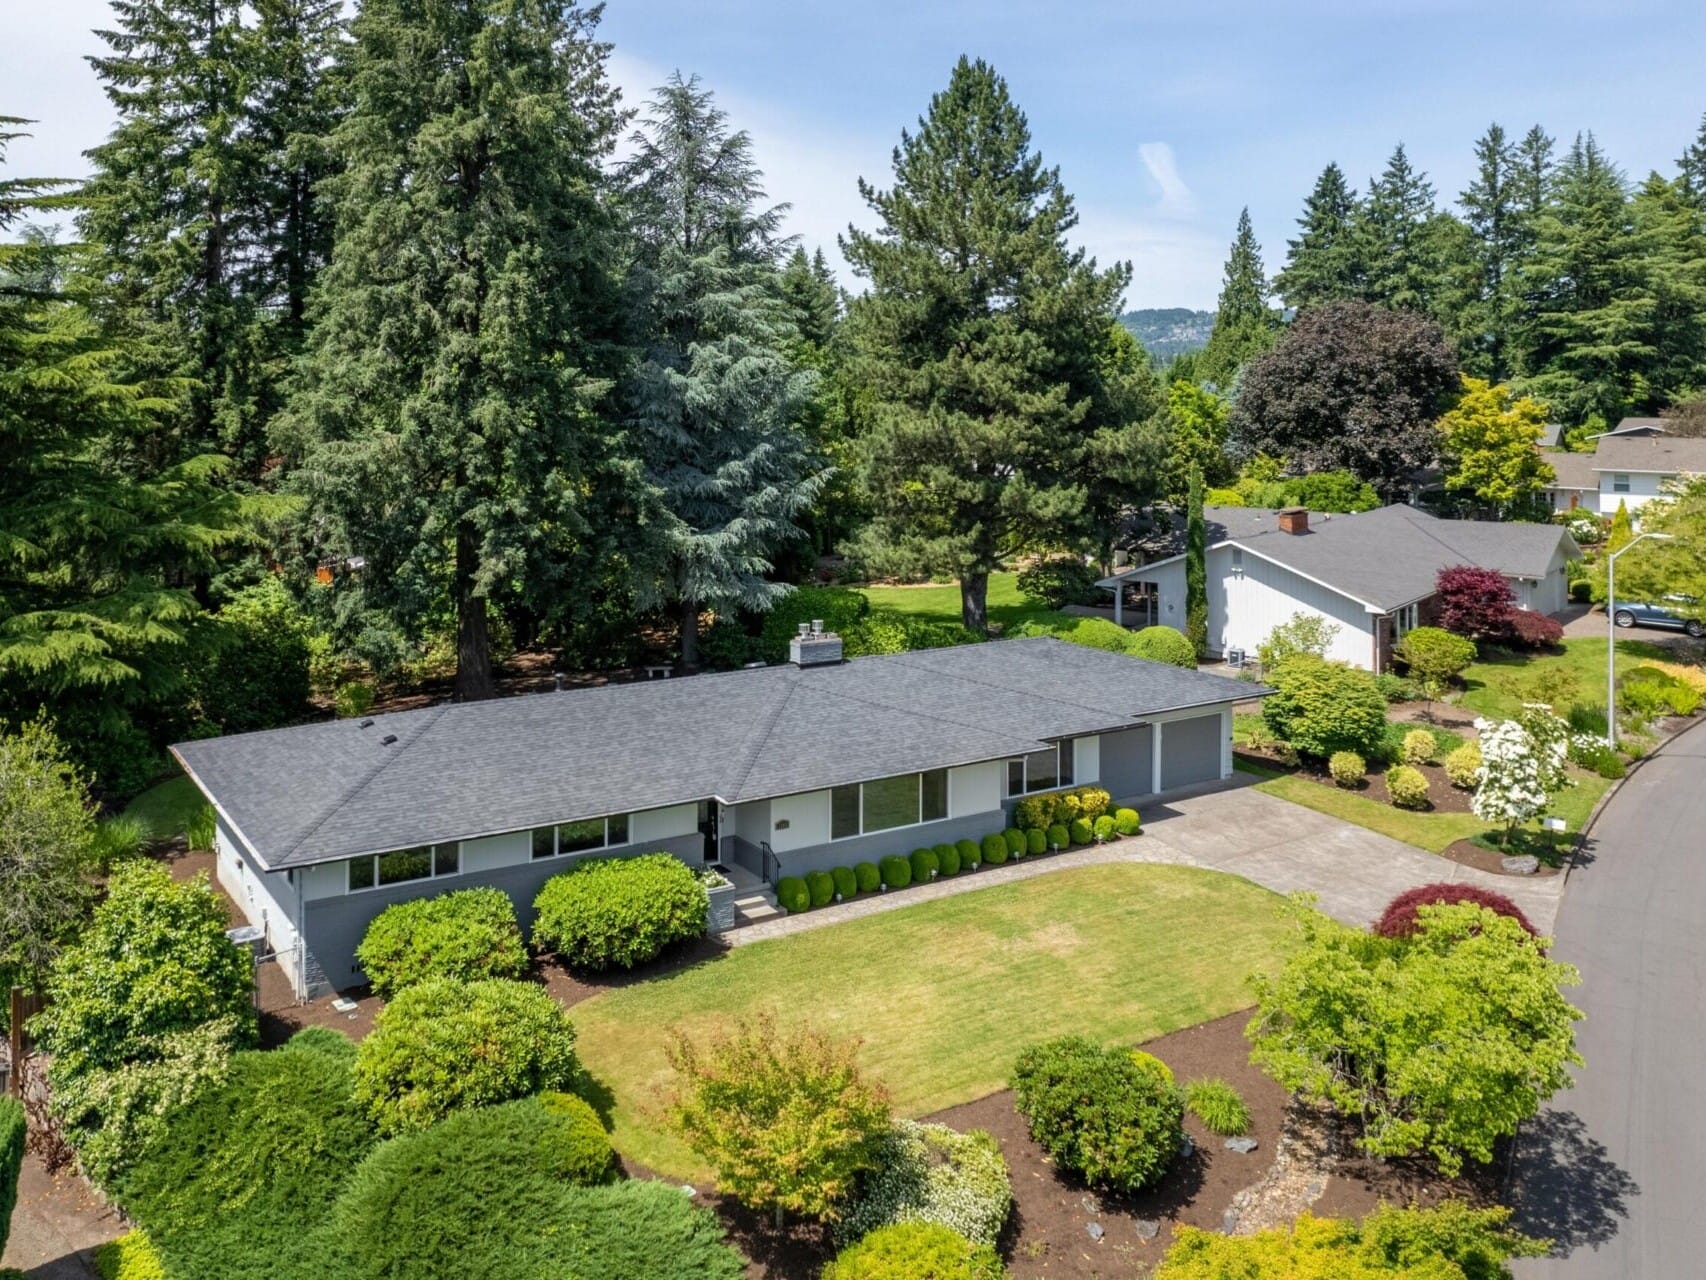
915,1251
1122,953
931,1173
1219,1106
467,934
619,912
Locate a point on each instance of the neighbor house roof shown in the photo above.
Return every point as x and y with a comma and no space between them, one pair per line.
1390,557
1668,455
318,792
1633,427
1572,470
1550,434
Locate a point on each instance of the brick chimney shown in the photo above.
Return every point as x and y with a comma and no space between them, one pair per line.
1294,520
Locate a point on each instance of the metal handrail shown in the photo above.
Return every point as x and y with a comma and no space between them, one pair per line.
767,861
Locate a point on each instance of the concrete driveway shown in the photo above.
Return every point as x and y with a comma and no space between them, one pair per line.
1612,1171
1589,620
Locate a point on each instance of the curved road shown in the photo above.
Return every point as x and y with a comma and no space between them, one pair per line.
1614,1171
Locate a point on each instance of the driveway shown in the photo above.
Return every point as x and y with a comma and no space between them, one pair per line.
1613,1170
1589,620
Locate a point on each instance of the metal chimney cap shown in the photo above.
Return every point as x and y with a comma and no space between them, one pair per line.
817,626
805,628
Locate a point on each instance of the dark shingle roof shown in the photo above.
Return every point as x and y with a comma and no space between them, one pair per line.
1572,470
323,791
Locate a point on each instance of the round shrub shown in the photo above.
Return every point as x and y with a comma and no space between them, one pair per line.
1036,841
915,1251
1347,768
467,935
792,895
1080,831
251,1164
619,912
1407,786
971,853
131,1257
1058,836
1149,1062
846,883
1103,827
994,850
947,859
580,1149
897,871
1419,746
925,865
1219,1106
1015,839
1099,1112
1399,919
1126,822
1320,707
868,877
444,1046
931,1173
1463,766
820,885
1162,644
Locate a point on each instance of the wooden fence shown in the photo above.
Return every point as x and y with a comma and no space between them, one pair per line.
24,1006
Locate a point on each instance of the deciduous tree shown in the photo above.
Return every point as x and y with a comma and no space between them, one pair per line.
1491,447
1473,602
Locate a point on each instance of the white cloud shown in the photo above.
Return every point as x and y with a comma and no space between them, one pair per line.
1176,198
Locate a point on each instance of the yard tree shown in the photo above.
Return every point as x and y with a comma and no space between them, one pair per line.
1492,448
1512,788
1498,225
1676,567
1350,386
716,402
1434,657
1439,1044
1691,167
447,427
1394,240
1244,323
1535,170
1196,565
1473,602
1322,264
1195,421
1003,415
1670,234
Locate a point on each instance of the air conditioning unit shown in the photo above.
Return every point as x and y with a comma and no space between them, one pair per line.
1235,658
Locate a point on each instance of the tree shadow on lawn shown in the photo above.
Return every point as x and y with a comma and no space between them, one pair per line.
1567,1189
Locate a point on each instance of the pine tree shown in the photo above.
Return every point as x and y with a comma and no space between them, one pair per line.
1496,220
1005,411
1691,167
447,422
1244,323
1400,259
716,401
1322,264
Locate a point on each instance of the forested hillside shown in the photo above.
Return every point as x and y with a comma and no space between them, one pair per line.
1166,332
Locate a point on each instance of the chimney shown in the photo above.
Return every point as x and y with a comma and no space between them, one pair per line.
1294,520
814,647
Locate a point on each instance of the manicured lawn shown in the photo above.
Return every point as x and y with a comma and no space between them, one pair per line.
166,808
942,603
1501,683
944,994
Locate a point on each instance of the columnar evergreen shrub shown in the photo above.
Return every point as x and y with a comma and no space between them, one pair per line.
1407,786
1036,840
948,858
915,1251
1162,644
11,1161
820,885
931,1173
620,912
994,849
868,876
792,895
1347,768
1015,839
1099,1112
1080,831
846,883
897,871
1419,747
467,934
1126,822
443,1046
1463,766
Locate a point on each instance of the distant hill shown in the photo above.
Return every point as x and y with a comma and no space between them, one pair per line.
1166,332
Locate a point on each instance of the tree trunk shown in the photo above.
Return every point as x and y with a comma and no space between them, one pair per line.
974,602
473,643
689,634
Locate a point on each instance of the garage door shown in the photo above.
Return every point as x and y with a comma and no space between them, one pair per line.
1190,751
1127,763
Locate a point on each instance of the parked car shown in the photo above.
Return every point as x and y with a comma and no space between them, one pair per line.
1631,614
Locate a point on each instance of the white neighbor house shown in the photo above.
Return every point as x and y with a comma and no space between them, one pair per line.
1629,467
1372,574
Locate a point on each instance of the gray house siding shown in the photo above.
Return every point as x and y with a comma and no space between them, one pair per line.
336,925
878,845
1128,762
1190,751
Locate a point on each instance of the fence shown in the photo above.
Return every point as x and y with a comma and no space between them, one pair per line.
24,1006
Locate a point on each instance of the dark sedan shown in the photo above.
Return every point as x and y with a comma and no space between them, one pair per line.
1631,614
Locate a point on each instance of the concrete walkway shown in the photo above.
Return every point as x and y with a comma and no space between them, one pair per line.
1272,842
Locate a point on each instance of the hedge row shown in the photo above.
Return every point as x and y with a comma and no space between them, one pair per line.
842,884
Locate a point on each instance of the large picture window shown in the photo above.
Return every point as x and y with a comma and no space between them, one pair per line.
423,862
578,837
1041,770
905,800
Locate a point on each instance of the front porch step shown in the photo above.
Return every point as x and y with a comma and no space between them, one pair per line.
759,904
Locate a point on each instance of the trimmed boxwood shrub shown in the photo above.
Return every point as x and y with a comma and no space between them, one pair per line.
915,1251
467,935
620,912
897,871
1036,840
1419,747
1080,831
868,877
846,883
1162,644
994,849
1348,768
250,1165
947,859
1399,920
444,1046
1126,822
1101,1113
931,1173
821,886
971,853
792,894
925,865
1103,827
1407,786
1058,836
1015,839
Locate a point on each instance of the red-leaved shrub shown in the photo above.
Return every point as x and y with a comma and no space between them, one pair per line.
1473,602
1399,918
1526,629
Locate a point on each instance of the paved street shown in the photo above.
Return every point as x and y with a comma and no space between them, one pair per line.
1614,1170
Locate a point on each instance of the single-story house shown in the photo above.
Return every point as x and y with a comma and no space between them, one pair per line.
1372,573
782,770
1629,467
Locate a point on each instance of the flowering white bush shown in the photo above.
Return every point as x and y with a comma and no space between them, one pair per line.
931,1173
1551,737
1511,789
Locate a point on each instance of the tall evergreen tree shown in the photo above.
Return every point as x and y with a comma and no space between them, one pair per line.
1399,258
447,424
1493,212
1670,236
716,402
1691,167
1322,264
1531,182
1244,323
1004,416
809,287
1196,565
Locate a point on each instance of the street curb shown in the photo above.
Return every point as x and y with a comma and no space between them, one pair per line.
1593,817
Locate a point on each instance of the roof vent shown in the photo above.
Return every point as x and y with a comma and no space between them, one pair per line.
388,739
366,724
557,678
817,626
814,648
1294,520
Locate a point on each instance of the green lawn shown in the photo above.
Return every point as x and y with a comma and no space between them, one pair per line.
1499,685
166,809
945,993
941,603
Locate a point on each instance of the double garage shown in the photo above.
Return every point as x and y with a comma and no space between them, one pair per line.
1166,755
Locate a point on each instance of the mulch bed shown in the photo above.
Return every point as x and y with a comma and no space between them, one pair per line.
1442,796
1467,853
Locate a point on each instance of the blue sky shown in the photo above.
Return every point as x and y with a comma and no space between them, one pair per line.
1164,119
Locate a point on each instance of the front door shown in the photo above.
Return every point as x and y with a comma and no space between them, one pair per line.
708,829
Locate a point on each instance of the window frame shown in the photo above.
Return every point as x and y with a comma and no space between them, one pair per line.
626,821
861,831
1065,770
433,851
1620,482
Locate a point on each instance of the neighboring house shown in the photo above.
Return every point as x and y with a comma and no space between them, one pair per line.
1634,427
1628,468
1372,573
812,764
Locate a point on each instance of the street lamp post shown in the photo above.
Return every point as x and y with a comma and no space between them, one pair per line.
1611,633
